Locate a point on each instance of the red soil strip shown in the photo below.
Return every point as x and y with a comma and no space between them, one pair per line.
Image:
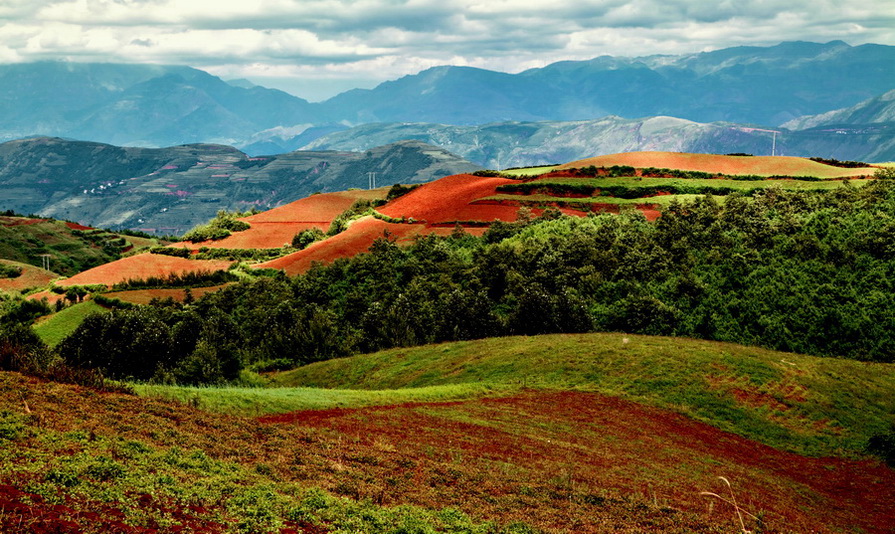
19,221
444,199
31,277
603,444
261,235
355,240
144,296
141,267
731,165
76,226
52,298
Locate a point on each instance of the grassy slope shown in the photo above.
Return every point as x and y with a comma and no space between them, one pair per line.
811,405
54,328
562,461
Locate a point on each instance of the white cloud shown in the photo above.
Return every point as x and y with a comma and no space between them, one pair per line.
374,40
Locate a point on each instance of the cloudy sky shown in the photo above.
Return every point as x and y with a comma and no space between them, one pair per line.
317,48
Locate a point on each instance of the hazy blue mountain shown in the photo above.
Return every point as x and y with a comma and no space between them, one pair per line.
170,190
520,144
141,105
761,85
872,111
151,105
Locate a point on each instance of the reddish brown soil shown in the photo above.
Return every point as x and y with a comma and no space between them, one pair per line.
444,199
732,165
275,228
567,462
31,277
355,240
76,226
19,221
600,445
141,267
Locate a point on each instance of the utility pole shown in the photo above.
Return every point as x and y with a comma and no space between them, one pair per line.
371,179
774,145
45,261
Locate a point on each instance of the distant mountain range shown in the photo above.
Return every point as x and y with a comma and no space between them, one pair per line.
520,144
170,190
149,105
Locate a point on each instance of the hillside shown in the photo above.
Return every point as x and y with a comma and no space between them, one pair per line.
880,109
71,248
577,434
170,190
141,105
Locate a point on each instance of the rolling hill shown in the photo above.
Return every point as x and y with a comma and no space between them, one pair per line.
583,433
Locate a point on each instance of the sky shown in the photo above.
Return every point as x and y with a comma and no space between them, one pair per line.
318,48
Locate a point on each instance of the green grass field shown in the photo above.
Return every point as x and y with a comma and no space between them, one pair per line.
537,199
56,327
818,406
532,171
739,185
247,401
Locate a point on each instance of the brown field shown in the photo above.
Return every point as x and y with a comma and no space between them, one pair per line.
356,239
731,165
276,227
445,199
141,267
31,277
144,296
563,462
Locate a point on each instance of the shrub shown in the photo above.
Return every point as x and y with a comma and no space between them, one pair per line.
305,238
885,173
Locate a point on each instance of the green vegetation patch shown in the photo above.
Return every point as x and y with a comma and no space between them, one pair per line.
806,404
260,401
56,327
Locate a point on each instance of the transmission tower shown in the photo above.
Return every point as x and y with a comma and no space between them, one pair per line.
371,179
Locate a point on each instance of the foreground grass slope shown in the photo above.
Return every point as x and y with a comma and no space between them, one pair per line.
819,406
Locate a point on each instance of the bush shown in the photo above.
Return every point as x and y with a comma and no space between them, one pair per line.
885,173
883,446
305,238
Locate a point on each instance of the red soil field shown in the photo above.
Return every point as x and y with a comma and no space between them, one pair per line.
31,277
355,240
276,227
445,199
732,165
141,267
18,221
76,226
521,448
144,296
